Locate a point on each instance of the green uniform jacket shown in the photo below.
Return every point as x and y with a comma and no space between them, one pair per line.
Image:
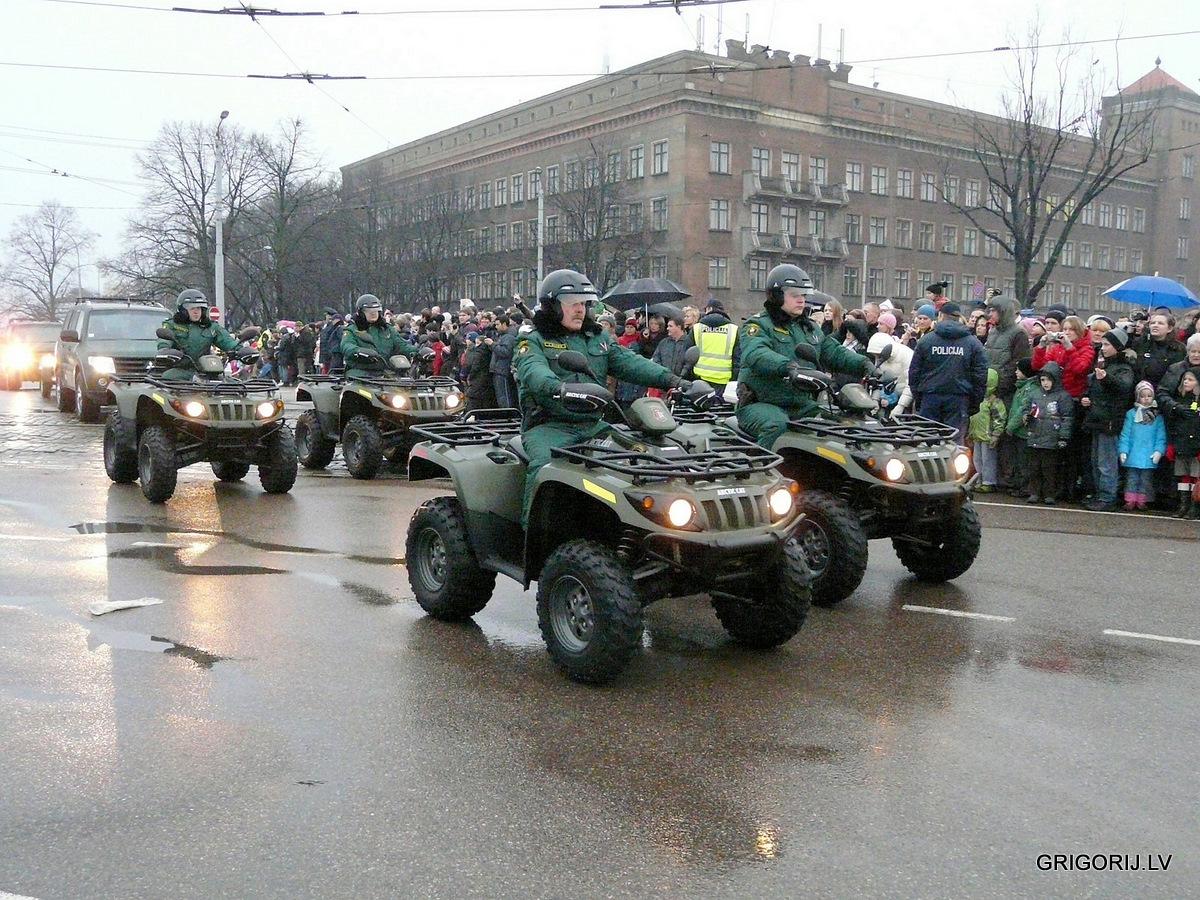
382,338
539,375
767,349
196,339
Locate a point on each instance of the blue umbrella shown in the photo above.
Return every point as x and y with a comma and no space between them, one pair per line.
1152,291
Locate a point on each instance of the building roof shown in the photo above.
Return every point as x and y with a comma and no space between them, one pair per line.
1156,80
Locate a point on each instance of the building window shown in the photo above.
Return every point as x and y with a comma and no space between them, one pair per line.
502,238
1085,296
637,161
471,200
1067,257
718,271
1118,259
789,219
760,217
1189,165
904,183
875,282
485,239
1085,255
1122,218
591,171
1181,247
928,187
853,228
817,274
950,188
818,170
877,231
971,194
1102,252
879,180
535,184
612,167
718,215
1135,261
1106,215
850,281
572,179
791,166
1064,294
991,247
1185,208
552,234
924,277
552,180
718,157
658,267
950,280
902,284
816,222
659,158
501,191
485,195
636,223
925,236
854,176
518,189
949,238
1089,214
658,213
517,278
758,274
1139,220
760,161
904,234
968,286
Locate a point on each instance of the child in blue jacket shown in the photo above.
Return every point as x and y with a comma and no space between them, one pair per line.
1143,443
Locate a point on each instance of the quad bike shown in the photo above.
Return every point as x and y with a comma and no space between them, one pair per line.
372,417
161,425
616,523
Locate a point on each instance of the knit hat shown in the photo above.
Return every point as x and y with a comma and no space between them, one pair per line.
714,306
951,309
928,310
1140,385
887,320
1118,337
1025,367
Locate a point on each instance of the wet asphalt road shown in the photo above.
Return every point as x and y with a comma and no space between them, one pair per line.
286,723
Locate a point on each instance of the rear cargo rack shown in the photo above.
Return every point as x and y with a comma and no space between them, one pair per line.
475,428
906,430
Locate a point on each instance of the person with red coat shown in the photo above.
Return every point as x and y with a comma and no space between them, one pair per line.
1072,349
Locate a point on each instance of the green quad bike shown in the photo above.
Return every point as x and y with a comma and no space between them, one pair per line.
161,425
865,476
372,417
616,523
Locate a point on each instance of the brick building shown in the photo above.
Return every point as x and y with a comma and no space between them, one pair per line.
729,165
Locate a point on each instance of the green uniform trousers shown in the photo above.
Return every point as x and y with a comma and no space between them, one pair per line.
766,421
541,439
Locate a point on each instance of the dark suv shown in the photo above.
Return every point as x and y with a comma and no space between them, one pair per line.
102,338
27,354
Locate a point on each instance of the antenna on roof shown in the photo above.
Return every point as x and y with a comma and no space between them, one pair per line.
820,35
700,34
720,26
841,47
605,65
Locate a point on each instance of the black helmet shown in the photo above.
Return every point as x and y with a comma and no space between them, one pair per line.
786,276
562,282
190,299
367,301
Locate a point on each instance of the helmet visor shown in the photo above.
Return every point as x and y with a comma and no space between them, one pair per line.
195,303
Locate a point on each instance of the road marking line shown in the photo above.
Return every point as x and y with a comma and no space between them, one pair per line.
1152,637
1085,512
31,537
956,613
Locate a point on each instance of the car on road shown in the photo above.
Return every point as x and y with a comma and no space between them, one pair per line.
27,354
101,339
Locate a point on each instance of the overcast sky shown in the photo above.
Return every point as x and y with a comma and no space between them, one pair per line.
91,124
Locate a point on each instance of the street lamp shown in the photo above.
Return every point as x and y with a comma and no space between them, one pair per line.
219,261
541,233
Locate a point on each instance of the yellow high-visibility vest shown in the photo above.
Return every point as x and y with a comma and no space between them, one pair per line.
716,352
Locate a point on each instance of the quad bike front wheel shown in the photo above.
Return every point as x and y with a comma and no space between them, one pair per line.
445,576
772,606
314,450
120,450
157,469
588,611
835,544
943,552
277,467
362,447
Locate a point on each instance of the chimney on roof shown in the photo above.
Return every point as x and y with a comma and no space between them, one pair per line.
759,50
735,49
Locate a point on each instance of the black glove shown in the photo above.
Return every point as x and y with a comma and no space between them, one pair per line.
364,355
674,382
871,371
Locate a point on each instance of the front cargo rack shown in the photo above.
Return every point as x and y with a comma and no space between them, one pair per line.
418,383
906,430
232,388
728,456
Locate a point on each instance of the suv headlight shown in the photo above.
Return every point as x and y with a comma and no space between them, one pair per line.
18,356
47,361
103,365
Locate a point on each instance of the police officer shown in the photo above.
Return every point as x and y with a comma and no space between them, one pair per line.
370,332
767,397
948,372
562,323
193,333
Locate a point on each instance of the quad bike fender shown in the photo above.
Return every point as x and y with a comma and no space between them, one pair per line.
487,479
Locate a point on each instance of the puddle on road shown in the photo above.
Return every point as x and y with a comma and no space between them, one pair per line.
253,543
171,559
149,643
364,593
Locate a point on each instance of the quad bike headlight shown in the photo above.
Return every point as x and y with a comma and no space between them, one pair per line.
193,409
103,365
781,502
961,463
893,469
398,401
268,408
453,401
681,512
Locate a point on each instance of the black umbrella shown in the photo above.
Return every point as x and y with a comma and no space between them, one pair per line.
628,295
819,298
666,310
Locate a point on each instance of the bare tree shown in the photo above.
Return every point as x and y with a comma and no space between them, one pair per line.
43,249
427,233
602,229
1050,154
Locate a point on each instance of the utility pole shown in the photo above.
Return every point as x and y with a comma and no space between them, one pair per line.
541,229
219,256
863,283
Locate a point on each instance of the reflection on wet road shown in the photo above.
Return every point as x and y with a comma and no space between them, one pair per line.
288,723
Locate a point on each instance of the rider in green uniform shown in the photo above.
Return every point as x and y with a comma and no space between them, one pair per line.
371,333
771,370
193,333
562,323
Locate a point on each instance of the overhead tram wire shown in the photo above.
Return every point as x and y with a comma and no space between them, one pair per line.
110,183
245,9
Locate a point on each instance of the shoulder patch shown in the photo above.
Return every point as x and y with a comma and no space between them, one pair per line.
554,345
781,330
752,329
523,347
